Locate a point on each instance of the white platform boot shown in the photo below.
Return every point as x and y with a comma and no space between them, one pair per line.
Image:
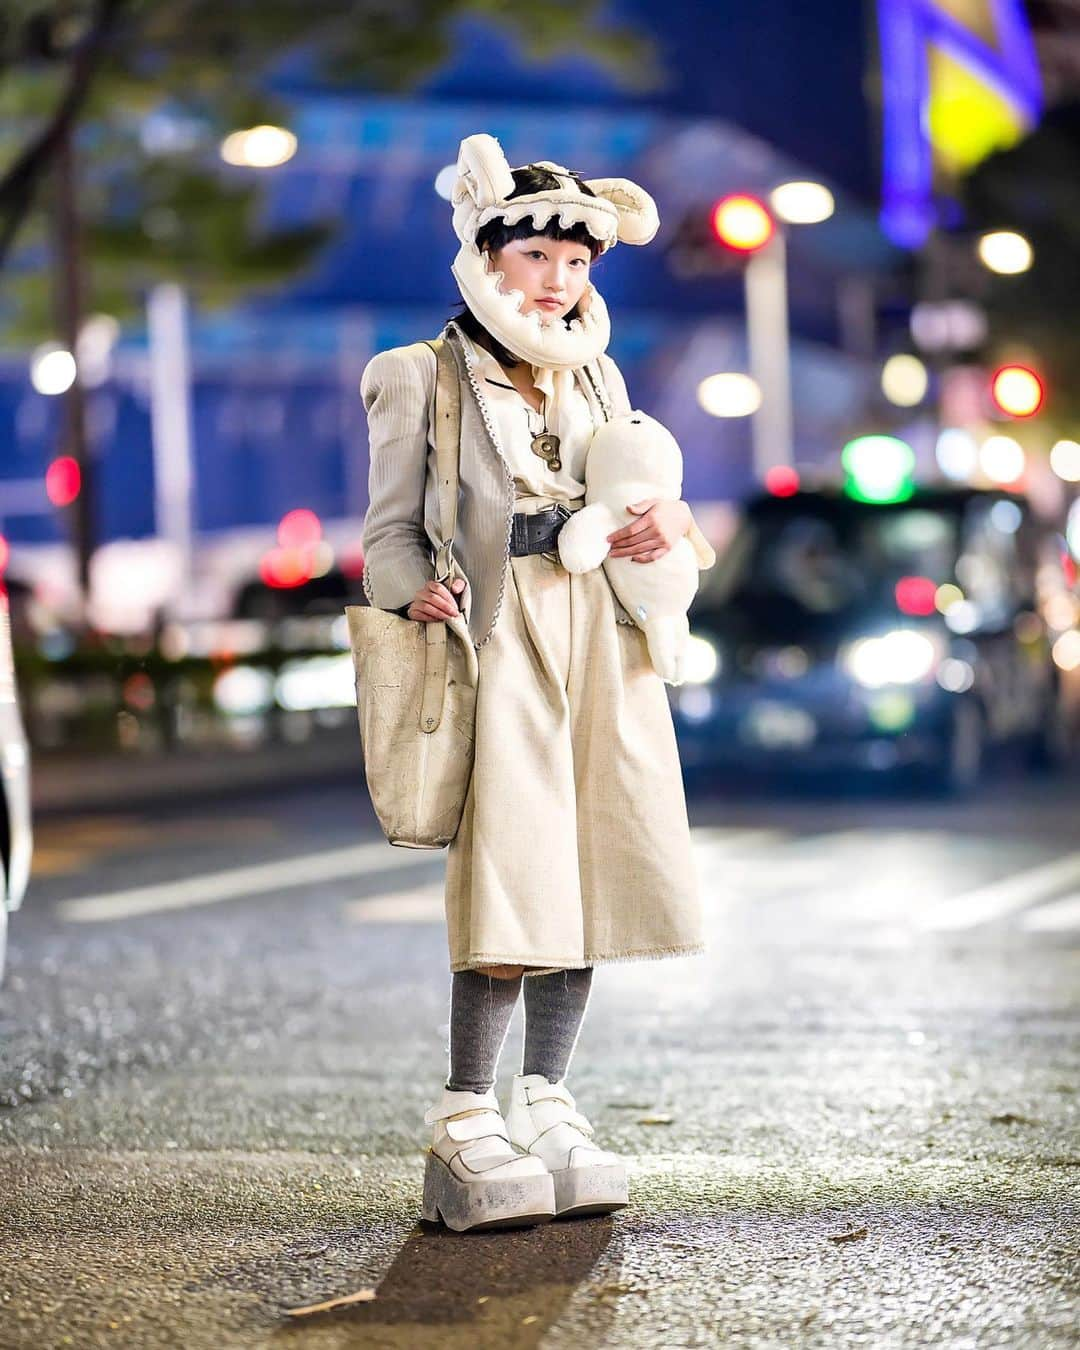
474,1178
544,1121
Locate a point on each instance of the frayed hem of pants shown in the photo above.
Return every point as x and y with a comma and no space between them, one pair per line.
533,967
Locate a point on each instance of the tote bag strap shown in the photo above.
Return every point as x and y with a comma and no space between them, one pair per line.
447,449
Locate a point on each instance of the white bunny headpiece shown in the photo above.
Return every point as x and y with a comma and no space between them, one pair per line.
619,212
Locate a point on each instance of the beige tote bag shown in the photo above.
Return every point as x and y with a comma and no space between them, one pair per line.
416,681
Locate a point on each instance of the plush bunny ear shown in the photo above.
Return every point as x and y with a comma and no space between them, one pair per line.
638,217
484,176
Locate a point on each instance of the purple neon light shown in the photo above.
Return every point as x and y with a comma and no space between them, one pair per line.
905,29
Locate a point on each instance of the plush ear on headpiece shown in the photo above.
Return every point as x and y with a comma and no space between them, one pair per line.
484,176
638,216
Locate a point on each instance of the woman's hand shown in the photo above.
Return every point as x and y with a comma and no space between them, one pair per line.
660,527
434,603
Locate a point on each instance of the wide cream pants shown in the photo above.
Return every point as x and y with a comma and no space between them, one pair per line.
574,845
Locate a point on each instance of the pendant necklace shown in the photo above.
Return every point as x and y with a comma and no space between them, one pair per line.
544,443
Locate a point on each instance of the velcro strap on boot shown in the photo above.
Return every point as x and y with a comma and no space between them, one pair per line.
476,1125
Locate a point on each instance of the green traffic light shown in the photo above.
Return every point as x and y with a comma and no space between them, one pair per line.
878,469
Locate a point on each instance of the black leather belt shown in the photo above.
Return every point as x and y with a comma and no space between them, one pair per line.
538,532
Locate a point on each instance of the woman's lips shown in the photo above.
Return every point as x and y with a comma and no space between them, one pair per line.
550,304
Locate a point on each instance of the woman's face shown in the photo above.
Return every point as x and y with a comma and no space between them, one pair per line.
552,273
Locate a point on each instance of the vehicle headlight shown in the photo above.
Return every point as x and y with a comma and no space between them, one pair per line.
702,660
900,657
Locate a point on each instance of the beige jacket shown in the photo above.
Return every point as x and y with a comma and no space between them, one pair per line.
402,530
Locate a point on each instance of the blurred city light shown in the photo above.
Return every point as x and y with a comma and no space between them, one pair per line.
729,394
52,369
5,554
946,596
878,468
1005,252
957,453
1061,611
1017,391
915,595
963,617
1065,460
244,690
262,147
950,325
904,380
701,660
900,657
955,676
316,682
1006,517
1072,529
782,480
1066,651
283,568
742,223
97,338
299,528
802,203
63,480
1002,459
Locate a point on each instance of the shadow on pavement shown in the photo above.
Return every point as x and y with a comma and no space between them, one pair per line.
507,1287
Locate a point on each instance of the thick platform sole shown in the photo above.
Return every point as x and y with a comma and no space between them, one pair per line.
590,1190
473,1206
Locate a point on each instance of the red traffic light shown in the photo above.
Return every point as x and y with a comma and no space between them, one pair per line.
1017,391
781,481
742,223
63,480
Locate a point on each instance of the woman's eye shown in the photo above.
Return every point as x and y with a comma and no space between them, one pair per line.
538,253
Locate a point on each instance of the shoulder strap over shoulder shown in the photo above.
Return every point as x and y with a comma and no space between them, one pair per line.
447,448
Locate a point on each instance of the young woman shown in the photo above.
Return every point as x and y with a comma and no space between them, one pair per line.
574,846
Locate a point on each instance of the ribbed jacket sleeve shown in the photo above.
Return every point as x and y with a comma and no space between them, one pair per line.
396,388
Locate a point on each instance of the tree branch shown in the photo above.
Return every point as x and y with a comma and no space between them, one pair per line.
19,184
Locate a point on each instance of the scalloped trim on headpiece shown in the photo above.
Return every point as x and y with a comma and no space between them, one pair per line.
620,212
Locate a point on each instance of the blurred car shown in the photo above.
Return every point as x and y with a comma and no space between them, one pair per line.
15,833
837,634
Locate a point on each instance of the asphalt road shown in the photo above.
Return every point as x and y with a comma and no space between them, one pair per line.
852,1123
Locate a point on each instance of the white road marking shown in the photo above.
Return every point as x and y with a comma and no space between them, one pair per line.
261,878
999,898
211,888
423,905
1058,917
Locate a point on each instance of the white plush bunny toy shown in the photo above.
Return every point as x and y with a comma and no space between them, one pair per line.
632,457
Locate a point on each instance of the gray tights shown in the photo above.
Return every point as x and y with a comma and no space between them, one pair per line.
480,1010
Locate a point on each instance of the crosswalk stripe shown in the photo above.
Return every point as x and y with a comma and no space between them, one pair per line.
212,887
330,865
1057,917
1000,898
423,905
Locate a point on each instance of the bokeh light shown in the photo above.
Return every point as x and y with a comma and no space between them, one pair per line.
802,203
904,380
52,369
729,394
1002,459
742,223
262,147
957,453
1017,391
1065,460
1005,252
